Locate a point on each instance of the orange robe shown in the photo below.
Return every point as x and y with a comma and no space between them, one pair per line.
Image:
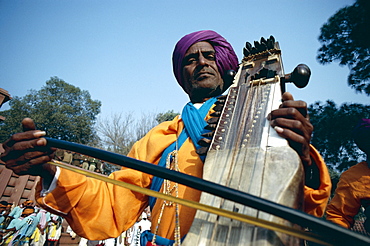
352,189
97,210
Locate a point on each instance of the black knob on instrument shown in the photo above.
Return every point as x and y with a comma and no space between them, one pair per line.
230,73
300,76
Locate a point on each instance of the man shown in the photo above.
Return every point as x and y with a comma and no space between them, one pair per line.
200,62
352,191
17,211
39,235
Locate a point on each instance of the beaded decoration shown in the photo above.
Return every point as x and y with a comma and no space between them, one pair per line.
172,164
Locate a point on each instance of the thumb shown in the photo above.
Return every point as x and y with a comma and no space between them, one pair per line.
28,124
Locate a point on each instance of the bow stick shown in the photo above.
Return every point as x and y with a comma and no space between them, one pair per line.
331,232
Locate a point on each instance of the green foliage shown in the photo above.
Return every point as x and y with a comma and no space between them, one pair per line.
334,177
64,111
332,135
167,116
346,38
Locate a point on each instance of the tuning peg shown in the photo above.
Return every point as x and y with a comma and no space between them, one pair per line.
210,127
272,38
263,40
300,77
205,142
248,46
270,43
218,107
230,73
208,134
202,150
216,114
212,120
254,50
246,52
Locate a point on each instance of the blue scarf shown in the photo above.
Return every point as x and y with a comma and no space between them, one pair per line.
194,122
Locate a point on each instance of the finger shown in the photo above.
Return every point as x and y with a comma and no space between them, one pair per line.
289,134
27,157
301,106
28,124
288,113
294,104
40,151
287,96
20,148
24,136
294,125
288,101
301,127
32,167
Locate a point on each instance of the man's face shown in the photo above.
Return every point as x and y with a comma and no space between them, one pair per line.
202,79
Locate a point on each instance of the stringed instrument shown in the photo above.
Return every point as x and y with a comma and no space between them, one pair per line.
247,154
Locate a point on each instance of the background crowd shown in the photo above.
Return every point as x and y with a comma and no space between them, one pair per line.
29,225
85,162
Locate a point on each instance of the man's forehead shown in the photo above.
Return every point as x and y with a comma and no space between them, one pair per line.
199,46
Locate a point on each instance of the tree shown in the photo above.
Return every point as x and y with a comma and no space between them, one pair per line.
116,134
332,135
346,38
120,132
146,122
169,115
64,111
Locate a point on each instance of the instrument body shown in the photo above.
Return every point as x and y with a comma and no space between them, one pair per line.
247,154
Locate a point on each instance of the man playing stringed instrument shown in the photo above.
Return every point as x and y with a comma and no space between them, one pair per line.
201,61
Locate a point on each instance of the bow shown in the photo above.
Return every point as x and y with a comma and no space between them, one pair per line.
329,232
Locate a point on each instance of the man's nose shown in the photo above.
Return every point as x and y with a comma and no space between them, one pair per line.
202,60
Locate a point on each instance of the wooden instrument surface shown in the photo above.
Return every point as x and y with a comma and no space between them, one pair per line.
248,155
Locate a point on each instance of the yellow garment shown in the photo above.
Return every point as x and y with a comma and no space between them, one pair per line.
316,200
36,235
353,188
101,210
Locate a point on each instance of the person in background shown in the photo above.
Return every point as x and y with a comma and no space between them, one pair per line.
39,235
67,157
76,159
4,212
59,154
353,188
17,210
85,163
54,230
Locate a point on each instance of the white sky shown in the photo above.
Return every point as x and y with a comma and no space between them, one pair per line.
120,51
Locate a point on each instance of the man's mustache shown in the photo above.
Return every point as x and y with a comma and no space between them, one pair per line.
196,74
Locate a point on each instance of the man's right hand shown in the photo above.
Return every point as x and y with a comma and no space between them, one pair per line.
26,152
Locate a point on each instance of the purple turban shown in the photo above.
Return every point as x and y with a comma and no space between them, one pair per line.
226,58
361,135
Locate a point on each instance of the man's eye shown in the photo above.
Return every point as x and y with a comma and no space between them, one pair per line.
211,57
190,60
